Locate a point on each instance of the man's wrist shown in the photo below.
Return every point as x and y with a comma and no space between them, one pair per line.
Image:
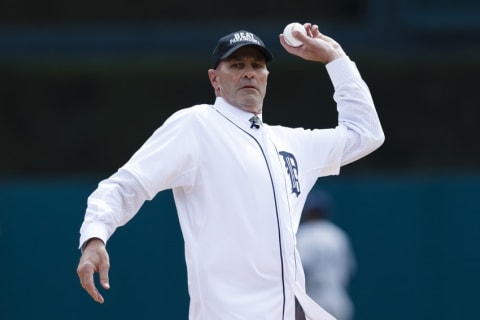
88,241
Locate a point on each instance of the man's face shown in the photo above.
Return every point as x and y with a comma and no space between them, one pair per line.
241,79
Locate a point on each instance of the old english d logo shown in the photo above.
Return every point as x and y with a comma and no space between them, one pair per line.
292,170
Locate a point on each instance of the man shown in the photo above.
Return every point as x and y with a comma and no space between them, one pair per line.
239,185
327,256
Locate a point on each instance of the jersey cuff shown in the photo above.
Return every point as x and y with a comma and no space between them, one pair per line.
341,70
93,231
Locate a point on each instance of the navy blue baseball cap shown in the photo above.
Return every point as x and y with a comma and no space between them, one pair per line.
231,42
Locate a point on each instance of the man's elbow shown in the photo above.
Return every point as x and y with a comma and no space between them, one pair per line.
377,140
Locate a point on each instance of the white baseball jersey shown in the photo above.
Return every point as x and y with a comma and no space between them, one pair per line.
239,193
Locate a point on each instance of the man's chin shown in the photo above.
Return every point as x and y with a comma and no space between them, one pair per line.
253,105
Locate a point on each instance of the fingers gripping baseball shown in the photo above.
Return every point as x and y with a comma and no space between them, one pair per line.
94,259
315,45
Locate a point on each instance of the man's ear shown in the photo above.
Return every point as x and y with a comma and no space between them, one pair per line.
212,75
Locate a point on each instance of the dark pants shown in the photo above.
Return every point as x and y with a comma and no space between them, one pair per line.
299,314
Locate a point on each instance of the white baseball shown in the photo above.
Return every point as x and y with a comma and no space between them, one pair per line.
289,38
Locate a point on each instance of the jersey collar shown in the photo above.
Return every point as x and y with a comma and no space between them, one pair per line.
238,116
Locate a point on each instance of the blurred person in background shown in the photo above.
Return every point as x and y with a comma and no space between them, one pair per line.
327,256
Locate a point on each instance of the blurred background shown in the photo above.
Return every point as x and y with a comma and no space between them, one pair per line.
84,83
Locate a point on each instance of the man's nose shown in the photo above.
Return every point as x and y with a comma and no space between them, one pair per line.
249,73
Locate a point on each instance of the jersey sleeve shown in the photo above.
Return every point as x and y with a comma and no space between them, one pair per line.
323,150
167,159
356,110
